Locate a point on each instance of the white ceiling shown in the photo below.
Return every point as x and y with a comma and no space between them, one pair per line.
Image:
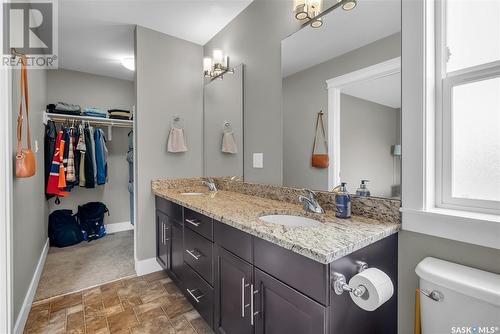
385,90
95,35
342,31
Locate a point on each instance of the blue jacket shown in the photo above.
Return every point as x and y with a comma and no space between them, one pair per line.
101,156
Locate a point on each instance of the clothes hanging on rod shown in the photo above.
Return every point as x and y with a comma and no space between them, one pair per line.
79,158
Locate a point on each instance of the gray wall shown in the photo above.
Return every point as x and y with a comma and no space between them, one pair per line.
299,113
223,101
367,132
103,92
29,226
254,39
169,81
414,247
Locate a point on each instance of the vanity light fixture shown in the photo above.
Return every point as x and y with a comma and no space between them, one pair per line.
311,10
216,66
308,10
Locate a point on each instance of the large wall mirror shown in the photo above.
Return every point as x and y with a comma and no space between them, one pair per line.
350,69
223,124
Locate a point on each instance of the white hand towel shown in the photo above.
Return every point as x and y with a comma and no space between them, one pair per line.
176,141
229,143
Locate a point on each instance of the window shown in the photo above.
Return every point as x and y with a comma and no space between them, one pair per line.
468,105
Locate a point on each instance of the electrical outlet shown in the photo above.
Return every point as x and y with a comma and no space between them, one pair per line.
258,160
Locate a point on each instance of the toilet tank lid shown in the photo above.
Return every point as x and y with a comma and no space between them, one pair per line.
472,282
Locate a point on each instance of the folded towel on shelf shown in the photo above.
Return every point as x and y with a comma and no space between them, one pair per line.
64,108
229,143
119,117
120,111
94,112
176,141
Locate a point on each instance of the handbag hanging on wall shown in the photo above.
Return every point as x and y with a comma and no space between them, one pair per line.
320,160
25,159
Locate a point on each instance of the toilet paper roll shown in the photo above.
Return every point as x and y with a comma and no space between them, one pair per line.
378,285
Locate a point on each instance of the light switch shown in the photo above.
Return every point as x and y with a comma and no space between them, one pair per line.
258,160
36,146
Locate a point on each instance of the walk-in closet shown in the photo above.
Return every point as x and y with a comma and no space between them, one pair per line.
88,168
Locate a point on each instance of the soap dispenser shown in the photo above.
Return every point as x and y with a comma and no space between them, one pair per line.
342,202
363,190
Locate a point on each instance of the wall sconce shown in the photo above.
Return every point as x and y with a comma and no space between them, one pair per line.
216,66
311,9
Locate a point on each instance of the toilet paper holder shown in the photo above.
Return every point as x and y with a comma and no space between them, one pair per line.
340,283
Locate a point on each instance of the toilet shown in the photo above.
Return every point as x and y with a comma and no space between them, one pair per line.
457,299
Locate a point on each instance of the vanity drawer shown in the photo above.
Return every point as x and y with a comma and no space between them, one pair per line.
199,223
171,209
198,253
233,240
301,273
200,294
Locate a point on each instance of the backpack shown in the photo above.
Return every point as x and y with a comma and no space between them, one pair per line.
91,219
63,229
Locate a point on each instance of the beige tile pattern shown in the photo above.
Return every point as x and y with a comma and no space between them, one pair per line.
134,305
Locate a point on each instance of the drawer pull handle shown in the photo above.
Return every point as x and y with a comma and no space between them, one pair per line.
193,222
243,305
196,298
194,254
252,304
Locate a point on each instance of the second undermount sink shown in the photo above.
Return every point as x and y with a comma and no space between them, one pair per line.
290,220
192,194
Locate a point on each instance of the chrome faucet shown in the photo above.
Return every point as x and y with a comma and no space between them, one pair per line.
310,202
210,183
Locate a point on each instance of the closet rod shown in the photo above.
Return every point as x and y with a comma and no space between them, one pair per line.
110,122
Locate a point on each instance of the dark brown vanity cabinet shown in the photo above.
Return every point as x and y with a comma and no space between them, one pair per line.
233,288
242,284
281,309
163,239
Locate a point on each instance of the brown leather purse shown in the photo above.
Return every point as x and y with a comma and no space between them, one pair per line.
320,160
25,159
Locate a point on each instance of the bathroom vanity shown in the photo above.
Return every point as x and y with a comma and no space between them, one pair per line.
247,276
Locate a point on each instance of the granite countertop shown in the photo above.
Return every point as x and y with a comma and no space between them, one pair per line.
333,240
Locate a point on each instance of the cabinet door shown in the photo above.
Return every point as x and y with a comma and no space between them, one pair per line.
232,289
281,309
163,239
177,250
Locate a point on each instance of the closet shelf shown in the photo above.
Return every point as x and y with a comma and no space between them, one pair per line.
122,123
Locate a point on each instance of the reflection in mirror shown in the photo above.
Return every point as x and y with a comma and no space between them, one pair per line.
223,125
349,69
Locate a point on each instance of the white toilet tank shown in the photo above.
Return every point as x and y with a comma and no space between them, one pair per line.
457,299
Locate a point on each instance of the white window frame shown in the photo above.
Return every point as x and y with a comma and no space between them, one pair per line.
445,82
419,123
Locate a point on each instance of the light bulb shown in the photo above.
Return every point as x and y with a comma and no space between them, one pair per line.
349,5
128,63
207,64
218,57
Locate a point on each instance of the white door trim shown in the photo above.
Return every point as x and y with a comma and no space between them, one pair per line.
5,200
335,87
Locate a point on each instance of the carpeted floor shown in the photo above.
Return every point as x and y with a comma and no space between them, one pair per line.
87,264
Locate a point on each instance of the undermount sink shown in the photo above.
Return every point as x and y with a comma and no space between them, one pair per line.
192,194
290,220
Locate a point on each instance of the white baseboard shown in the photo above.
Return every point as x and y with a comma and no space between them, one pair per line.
30,294
118,227
148,266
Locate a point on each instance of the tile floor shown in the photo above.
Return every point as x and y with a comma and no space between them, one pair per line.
134,305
